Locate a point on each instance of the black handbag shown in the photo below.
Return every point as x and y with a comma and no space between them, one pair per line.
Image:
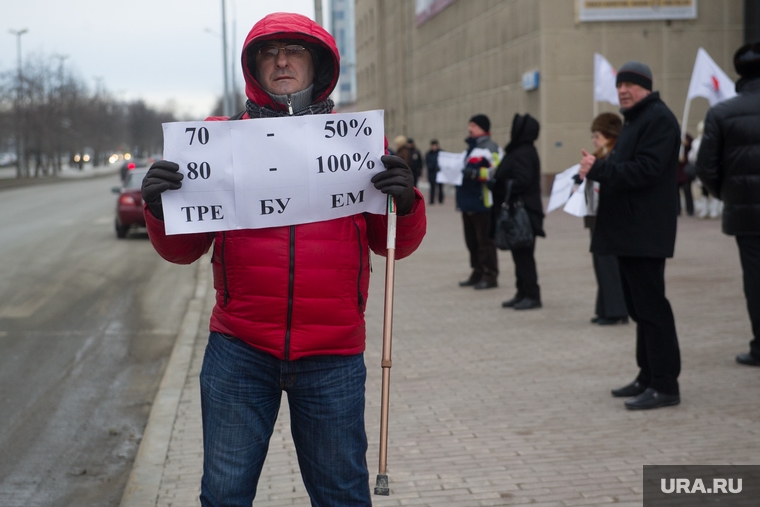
513,228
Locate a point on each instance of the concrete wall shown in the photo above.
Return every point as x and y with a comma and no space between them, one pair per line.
470,59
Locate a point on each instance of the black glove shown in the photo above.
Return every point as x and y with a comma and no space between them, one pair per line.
162,176
396,180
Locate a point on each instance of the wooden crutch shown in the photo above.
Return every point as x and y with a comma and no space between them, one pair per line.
381,485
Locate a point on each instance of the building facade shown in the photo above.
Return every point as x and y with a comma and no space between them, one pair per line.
432,64
343,30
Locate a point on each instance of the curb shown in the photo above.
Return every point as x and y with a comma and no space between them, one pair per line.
147,471
10,183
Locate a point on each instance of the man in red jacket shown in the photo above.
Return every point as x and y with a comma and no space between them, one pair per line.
289,313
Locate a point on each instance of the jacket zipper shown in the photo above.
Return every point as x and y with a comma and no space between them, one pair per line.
291,283
361,266
291,270
224,271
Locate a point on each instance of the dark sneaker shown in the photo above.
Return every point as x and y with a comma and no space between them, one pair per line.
635,388
527,304
469,282
486,284
747,359
511,302
605,321
652,399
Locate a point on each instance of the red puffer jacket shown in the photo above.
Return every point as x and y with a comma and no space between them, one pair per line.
300,290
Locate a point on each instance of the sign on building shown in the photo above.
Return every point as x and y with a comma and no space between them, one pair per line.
635,10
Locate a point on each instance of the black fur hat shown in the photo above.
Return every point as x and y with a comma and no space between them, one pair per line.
747,60
608,124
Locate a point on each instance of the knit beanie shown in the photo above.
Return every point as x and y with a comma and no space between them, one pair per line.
636,73
608,124
482,121
747,60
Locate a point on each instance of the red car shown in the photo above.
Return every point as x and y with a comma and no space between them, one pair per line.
129,209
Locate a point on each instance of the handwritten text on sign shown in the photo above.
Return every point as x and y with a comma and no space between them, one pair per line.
252,174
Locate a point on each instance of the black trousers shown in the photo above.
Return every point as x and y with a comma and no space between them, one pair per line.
657,352
688,199
749,253
526,276
610,302
483,259
435,186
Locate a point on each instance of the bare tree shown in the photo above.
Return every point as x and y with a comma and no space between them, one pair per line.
52,115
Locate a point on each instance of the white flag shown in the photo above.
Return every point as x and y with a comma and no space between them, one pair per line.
604,81
709,81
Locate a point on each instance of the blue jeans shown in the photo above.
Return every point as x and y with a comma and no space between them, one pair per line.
241,388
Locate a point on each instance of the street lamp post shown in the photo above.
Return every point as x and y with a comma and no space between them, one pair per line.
318,12
58,162
20,166
227,102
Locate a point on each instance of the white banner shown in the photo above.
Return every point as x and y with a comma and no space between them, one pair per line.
576,205
253,174
562,188
450,167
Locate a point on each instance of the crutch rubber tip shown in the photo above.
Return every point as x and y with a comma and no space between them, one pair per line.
381,486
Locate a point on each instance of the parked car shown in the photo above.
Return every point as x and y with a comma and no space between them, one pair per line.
132,164
129,206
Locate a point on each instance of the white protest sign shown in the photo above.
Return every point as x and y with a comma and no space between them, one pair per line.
450,167
576,205
270,172
562,188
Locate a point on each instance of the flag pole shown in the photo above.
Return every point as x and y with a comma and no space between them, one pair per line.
683,126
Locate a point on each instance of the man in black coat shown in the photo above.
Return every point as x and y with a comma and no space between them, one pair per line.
415,162
431,161
638,210
728,164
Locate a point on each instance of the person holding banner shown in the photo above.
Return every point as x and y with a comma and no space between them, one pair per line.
474,201
289,313
610,303
728,164
636,221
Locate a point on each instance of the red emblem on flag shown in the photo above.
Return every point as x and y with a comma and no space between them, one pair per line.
715,83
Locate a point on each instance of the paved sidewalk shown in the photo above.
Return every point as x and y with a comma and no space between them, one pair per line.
495,407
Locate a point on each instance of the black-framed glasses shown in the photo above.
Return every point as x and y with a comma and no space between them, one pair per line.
289,50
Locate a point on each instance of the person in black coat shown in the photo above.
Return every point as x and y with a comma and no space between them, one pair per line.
728,164
415,160
522,167
636,221
610,302
431,161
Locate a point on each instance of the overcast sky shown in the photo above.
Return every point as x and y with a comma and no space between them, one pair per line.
159,50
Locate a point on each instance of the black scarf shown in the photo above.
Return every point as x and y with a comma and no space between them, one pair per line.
256,111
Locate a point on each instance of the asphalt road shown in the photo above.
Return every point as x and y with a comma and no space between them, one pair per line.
87,324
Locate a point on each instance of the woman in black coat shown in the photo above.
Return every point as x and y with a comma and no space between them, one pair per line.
522,166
